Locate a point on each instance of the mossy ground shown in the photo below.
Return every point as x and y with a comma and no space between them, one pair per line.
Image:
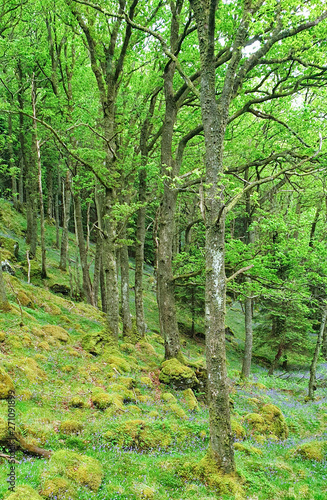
138,438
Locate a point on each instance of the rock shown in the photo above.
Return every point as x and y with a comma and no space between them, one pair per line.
71,427
313,450
59,488
146,381
24,492
142,491
6,385
60,288
169,398
190,400
7,268
81,470
140,435
238,429
270,422
96,342
178,375
57,332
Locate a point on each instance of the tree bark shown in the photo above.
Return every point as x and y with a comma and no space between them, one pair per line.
66,197
4,304
313,367
87,286
39,176
124,281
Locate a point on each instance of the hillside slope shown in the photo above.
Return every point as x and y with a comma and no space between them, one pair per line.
116,431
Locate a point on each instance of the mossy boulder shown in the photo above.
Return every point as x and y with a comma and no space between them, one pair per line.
57,332
82,470
71,427
190,400
128,382
208,472
178,411
77,402
256,423
270,422
24,299
30,369
238,429
117,363
145,348
102,400
6,384
2,336
24,492
140,435
142,491
146,381
168,397
176,374
313,450
97,342
59,488
275,421
127,347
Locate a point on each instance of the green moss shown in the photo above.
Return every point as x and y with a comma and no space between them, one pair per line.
146,381
117,363
146,348
169,398
128,382
208,472
56,332
140,435
102,400
127,347
248,450
3,429
238,429
142,491
71,427
24,492
256,423
132,336
80,469
275,421
127,395
178,411
190,400
2,336
77,402
97,342
175,373
24,395
58,488
6,384
314,450
29,368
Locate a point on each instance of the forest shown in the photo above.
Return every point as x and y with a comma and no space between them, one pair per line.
163,221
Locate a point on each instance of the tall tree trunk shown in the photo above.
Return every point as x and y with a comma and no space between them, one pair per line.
57,210
274,364
313,367
124,281
246,366
139,255
4,304
12,163
87,286
110,266
50,193
249,235
214,119
39,170
66,197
